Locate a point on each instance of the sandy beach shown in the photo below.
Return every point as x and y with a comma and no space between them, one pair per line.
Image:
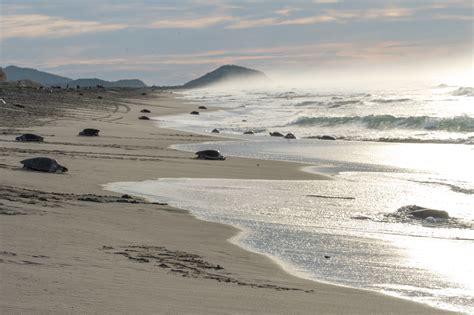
68,246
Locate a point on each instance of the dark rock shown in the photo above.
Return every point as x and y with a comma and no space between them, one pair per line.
290,136
89,132
209,155
126,196
249,132
29,137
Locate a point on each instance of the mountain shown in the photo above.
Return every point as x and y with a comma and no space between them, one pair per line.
133,83
229,74
15,73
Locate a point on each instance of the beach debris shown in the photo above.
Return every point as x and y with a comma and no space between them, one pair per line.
290,136
249,132
43,164
423,213
29,137
3,101
89,132
194,112
276,134
144,118
145,111
202,107
215,130
209,155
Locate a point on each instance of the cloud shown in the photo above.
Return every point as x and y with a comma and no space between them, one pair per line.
200,22
37,25
327,16
286,11
242,24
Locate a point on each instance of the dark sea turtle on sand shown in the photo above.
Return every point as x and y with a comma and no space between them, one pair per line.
290,136
215,130
144,118
202,107
194,112
43,164
276,134
89,132
29,137
145,111
209,155
326,137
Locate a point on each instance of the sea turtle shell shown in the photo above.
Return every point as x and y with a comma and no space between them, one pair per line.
89,132
29,137
43,164
210,155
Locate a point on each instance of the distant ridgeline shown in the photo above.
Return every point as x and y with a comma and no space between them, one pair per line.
228,75
14,73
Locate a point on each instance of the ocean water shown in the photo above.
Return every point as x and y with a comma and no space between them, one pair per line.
354,219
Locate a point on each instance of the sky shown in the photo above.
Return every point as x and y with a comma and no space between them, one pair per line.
171,42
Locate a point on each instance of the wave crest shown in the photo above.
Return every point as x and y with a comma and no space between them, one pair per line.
381,122
463,91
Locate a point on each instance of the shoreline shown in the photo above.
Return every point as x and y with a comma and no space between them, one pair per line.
66,254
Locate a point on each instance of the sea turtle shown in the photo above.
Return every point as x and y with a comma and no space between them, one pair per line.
290,136
215,130
145,111
194,112
202,107
276,134
209,155
43,164
89,132
144,118
29,137
326,137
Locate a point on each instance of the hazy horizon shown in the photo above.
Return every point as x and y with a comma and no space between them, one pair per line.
171,43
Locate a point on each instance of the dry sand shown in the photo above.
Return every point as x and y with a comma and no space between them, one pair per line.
66,245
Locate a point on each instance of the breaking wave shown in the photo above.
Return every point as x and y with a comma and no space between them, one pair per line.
463,91
381,122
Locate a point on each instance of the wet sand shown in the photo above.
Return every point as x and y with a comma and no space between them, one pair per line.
69,246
